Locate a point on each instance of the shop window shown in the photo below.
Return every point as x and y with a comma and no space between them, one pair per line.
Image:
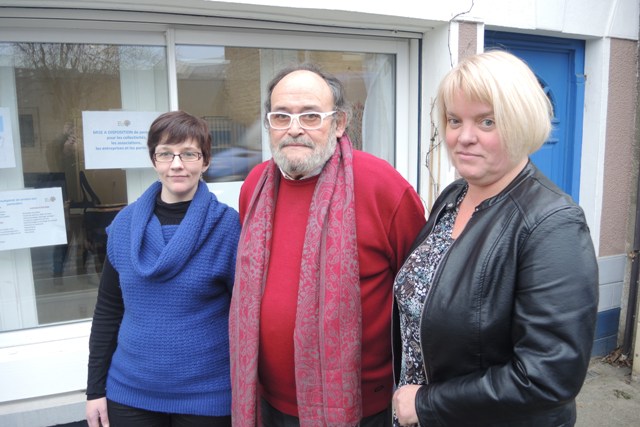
53,83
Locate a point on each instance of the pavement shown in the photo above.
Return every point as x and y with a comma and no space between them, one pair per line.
610,396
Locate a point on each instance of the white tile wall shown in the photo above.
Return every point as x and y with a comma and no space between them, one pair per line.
611,277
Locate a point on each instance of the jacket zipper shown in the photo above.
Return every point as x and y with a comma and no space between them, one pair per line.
431,288
395,380
426,299
424,365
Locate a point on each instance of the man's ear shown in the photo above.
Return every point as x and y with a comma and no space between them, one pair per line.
341,123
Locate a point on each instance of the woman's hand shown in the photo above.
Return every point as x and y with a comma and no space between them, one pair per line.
404,404
96,412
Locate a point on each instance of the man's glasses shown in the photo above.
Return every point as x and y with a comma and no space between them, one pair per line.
167,157
309,121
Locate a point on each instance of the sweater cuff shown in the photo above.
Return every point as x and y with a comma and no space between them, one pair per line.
95,396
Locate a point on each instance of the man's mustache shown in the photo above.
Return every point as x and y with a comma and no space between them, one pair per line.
295,141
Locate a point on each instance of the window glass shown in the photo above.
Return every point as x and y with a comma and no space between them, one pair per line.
227,85
54,83
50,85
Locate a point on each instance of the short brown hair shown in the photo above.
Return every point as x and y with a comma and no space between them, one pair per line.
175,127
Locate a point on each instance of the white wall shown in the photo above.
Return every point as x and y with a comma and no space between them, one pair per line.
575,18
593,133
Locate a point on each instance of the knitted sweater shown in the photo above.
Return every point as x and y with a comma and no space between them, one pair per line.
172,353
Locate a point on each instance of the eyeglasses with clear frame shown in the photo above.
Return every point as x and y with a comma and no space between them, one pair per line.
310,120
186,157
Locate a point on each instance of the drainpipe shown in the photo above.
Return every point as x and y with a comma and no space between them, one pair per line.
632,304
633,281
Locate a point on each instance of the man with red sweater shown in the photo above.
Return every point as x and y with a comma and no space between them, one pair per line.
325,229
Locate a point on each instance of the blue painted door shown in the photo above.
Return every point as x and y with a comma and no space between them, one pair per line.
559,66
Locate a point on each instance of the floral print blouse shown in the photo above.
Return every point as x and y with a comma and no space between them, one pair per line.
411,287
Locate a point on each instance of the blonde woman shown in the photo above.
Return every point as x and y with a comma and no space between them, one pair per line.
498,299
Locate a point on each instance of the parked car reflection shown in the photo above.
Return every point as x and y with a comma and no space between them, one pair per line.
232,164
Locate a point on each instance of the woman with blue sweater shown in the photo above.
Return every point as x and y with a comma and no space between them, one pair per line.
159,345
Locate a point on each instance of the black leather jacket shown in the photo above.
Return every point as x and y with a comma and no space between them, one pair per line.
508,325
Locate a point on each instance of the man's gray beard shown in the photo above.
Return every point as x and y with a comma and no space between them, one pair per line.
303,167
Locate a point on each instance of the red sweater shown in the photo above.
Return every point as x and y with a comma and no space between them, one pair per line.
389,215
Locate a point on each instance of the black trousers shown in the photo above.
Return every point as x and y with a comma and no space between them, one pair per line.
127,416
271,417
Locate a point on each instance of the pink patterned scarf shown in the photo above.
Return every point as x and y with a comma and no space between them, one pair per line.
327,334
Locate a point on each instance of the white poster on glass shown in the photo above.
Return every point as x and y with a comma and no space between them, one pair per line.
31,218
7,155
116,139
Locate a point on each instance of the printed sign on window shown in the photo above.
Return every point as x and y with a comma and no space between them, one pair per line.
31,218
116,139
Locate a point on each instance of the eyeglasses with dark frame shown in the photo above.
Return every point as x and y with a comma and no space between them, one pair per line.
310,120
186,157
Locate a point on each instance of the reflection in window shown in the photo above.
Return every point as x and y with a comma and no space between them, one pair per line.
226,86
54,83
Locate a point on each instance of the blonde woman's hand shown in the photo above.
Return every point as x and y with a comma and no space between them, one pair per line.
404,404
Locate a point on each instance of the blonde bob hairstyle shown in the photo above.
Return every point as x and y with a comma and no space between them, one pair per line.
522,111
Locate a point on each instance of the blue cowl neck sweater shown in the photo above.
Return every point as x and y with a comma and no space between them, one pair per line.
173,346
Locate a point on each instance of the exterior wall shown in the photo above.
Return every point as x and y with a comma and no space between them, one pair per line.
619,189
619,160
468,44
611,280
